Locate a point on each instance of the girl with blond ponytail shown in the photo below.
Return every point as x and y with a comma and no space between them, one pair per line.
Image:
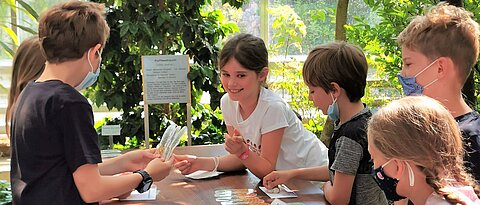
417,152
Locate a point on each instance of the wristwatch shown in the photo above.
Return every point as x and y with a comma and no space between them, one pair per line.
245,154
146,182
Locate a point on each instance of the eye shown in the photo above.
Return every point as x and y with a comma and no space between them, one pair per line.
225,74
241,75
311,91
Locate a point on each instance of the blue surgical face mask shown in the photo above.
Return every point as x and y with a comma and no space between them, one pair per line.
410,85
91,76
333,112
389,184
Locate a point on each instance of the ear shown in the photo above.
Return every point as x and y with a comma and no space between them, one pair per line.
336,89
93,51
262,76
445,67
400,168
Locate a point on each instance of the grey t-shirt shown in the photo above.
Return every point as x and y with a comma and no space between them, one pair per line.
347,160
348,154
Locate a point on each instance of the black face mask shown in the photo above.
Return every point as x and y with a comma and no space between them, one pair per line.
386,183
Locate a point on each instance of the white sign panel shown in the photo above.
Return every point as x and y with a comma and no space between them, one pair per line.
165,79
109,130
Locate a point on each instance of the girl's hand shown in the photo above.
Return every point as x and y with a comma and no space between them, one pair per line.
275,178
235,144
187,164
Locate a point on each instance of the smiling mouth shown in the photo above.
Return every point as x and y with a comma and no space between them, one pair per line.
235,90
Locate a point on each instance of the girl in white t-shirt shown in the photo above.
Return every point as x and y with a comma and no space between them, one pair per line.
417,151
264,134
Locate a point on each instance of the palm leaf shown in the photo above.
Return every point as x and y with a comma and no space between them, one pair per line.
30,10
12,34
26,29
7,49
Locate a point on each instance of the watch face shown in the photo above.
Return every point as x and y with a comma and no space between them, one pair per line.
146,186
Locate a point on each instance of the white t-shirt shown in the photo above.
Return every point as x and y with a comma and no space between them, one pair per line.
300,147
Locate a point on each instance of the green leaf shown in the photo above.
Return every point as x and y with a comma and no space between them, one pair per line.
27,29
7,49
12,34
30,10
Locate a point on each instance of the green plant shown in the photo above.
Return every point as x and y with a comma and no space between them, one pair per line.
156,27
5,192
10,28
285,74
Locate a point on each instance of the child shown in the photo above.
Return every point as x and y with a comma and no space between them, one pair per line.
336,74
439,50
264,134
55,153
417,153
28,64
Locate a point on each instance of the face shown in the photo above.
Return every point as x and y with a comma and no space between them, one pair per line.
390,169
241,83
414,62
320,98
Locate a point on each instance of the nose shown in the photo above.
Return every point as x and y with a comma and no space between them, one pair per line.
310,97
232,82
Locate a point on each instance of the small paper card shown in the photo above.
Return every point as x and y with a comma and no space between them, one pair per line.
149,195
284,192
203,174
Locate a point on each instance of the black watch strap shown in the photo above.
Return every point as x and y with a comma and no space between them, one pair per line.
146,181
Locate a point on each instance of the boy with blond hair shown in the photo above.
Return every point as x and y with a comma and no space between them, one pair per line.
55,153
439,50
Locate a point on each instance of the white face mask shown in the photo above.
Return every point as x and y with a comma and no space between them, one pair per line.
91,76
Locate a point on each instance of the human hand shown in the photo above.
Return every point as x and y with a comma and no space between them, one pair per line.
275,178
136,160
235,144
187,164
158,169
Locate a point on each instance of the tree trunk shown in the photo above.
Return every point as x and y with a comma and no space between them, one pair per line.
469,86
341,20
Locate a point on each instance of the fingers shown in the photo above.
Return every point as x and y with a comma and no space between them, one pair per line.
184,166
189,158
236,132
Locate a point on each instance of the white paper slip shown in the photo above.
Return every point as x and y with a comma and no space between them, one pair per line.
149,195
284,192
278,202
203,174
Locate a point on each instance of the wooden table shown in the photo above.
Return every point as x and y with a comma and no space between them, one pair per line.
177,189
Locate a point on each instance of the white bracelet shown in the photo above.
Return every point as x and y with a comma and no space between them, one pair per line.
216,162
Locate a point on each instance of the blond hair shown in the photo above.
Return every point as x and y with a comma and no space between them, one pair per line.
445,31
339,62
421,130
28,65
67,30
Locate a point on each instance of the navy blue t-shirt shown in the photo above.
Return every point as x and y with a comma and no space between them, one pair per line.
470,126
52,135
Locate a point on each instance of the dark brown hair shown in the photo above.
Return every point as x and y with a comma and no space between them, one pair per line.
28,65
68,30
338,62
250,51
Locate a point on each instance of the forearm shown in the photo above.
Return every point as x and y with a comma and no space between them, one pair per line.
258,165
312,173
107,187
230,163
110,167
